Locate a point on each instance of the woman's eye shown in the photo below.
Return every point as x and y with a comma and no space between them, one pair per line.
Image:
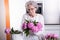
29,9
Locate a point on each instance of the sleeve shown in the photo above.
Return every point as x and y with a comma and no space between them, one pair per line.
42,22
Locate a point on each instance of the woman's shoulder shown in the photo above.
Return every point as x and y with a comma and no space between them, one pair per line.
25,16
40,15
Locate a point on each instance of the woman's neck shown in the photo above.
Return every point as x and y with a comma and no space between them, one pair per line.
32,15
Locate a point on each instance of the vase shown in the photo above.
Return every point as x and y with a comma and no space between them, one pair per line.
17,36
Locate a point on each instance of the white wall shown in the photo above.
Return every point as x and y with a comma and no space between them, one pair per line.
2,21
59,8
51,14
16,11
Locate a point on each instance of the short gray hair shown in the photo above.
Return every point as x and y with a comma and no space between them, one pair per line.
31,3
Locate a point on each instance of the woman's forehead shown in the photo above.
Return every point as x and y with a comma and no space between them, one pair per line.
31,6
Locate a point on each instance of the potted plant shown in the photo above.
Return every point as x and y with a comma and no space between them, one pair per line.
15,34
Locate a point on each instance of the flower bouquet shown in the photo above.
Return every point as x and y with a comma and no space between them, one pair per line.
51,37
31,27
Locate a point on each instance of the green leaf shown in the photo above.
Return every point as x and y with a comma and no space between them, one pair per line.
26,31
15,31
27,21
35,22
12,31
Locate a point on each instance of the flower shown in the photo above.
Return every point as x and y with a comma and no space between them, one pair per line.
30,25
39,25
24,25
7,31
47,36
36,29
55,35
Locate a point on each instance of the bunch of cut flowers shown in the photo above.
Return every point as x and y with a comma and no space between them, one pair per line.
31,26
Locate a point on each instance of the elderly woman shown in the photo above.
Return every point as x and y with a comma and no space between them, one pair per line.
31,15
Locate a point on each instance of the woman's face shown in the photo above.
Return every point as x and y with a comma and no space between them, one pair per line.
31,10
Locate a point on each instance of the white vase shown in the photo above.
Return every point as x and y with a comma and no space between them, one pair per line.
17,36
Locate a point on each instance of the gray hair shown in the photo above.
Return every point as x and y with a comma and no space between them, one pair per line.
31,3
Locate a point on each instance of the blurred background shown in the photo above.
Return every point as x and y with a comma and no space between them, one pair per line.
50,9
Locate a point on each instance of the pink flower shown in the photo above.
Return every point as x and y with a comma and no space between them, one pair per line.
30,25
7,31
35,29
46,36
39,25
24,25
55,35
